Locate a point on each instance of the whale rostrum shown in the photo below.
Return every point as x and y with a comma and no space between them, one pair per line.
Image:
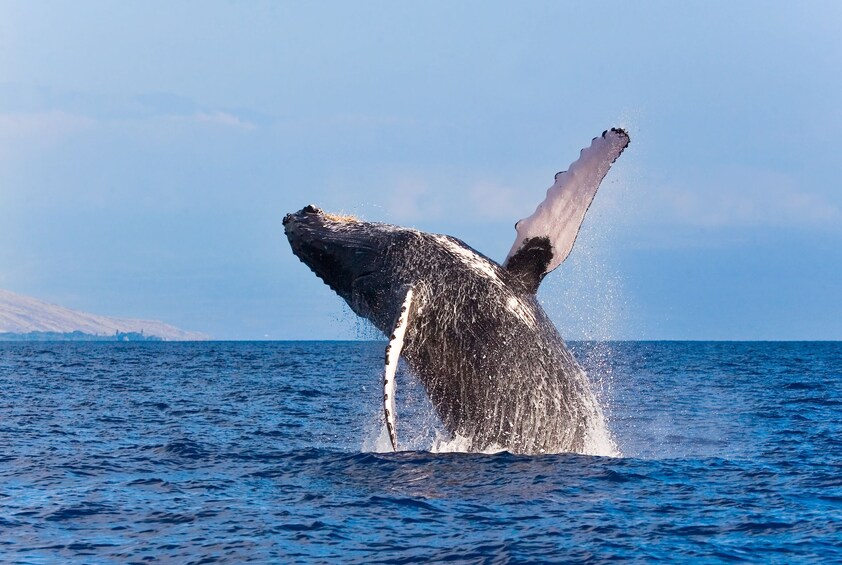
495,368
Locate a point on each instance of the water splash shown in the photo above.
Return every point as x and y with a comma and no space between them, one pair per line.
419,428
461,444
585,299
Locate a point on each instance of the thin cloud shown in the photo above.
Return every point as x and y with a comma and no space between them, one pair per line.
454,196
47,126
223,119
412,199
493,201
744,199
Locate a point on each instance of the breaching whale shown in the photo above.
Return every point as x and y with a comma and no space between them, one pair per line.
493,364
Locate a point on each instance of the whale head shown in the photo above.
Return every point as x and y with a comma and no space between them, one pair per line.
356,259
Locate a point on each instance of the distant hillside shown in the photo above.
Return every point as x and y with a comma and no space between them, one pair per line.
76,336
24,315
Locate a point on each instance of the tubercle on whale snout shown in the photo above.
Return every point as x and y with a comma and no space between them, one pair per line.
311,210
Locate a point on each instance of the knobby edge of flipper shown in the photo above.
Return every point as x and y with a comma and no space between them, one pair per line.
546,238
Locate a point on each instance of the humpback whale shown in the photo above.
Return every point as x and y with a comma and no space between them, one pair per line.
493,364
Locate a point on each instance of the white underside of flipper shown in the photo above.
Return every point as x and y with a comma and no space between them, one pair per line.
393,353
559,217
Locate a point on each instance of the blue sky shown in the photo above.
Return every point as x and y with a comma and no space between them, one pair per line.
148,153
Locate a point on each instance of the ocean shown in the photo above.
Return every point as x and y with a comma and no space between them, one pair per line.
234,452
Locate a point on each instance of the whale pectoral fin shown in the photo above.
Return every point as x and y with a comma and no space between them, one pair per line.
546,238
393,353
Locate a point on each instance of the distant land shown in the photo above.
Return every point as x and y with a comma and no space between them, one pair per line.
25,318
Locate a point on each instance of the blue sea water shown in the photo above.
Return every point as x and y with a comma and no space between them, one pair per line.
238,452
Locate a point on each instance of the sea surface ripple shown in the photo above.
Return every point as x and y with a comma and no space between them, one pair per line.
256,452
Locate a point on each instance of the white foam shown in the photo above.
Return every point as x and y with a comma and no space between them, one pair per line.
598,441
460,444
381,444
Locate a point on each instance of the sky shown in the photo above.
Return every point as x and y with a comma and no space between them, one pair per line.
149,151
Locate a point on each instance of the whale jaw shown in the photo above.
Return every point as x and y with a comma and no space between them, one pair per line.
338,249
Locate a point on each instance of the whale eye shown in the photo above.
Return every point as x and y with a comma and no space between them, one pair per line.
310,209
